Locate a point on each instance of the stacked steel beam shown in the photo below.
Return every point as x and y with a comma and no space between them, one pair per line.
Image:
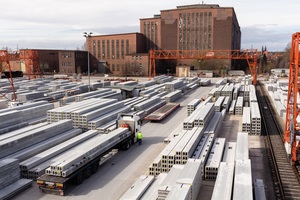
86,151
214,159
246,120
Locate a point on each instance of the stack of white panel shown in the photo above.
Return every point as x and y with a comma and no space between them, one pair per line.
239,106
218,103
172,86
218,91
236,91
81,97
212,92
232,107
255,119
242,180
172,96
214,159
242,151
246,120
224,182
192,106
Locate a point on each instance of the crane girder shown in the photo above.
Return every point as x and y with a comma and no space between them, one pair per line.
249,55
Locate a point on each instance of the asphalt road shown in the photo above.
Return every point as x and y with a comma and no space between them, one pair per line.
116,175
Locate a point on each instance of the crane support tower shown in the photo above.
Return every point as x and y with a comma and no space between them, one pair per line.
249,55
4,58
31,60
292,110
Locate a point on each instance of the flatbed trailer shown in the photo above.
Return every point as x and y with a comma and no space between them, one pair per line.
162,112
59,185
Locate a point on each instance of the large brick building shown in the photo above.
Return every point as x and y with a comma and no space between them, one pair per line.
190,27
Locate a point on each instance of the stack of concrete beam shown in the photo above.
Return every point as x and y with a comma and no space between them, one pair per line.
21,141
226,103
146,91
218,91
145,104
192,106
221,82
205,82
246,120
203,119
86,151
10,118
242,188
252,97
232,107
242,151
44,145
160,94
188,183
228,90
29,167
104,119
219,103
93,94
3,103
214,159
214,124
236,91
66,100
239,106
148,83
229,152
36,111
169,182
30,96
255,119
96,85
154,107
172,96
127,83
174,85
224,182
10,182
152,191
199,117
163,79
212,92
139,187
183,154
88,116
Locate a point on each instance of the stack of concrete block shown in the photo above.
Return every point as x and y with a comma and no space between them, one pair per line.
172,96
145,104
239,106
192,106
246,120
21,141
219,103
203,119
214,159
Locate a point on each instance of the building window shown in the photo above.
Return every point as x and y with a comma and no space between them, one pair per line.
99,52
122,49
94,47
127,46
113,49
103,48
113,67
108,49
118,67
118,49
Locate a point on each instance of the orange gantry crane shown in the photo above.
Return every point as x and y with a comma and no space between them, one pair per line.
249,55
4,59
292,110
31,60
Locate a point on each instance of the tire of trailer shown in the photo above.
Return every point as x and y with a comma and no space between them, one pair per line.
127,145
87,173
94,168
79,178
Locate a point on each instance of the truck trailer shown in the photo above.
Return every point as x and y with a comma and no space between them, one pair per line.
80,166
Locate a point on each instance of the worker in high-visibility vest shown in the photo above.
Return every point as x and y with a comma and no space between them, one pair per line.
139,137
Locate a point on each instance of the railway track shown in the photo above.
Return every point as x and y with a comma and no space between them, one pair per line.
284,175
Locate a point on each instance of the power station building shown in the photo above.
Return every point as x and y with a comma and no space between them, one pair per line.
190,27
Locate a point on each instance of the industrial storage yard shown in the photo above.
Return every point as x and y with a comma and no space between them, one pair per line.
209,147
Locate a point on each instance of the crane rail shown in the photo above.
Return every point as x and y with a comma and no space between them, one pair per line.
285,178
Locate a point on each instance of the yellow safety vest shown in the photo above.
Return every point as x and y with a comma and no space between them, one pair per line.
139,135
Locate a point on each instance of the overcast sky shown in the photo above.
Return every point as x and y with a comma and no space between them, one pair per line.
59,24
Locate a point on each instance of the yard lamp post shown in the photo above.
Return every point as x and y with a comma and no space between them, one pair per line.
87,35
